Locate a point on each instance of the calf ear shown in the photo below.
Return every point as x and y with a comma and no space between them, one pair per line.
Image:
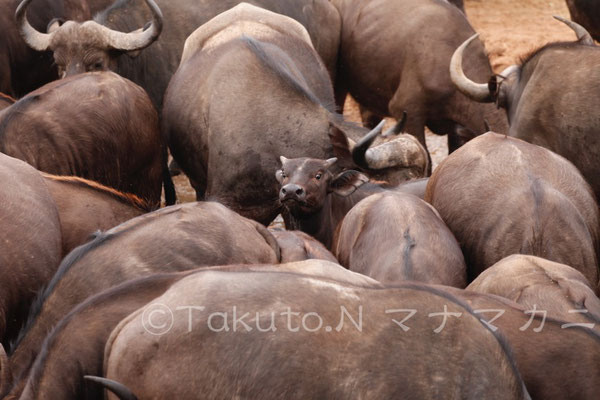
345,183
279,175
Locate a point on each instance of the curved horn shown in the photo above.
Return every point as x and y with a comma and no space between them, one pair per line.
396,129
5,374
120,390
582,34
359,150
36,40
403,152
508,70
476,91
139,39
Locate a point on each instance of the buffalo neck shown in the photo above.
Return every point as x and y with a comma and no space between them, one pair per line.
323,223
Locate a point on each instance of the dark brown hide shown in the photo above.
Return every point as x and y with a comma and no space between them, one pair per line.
556,362
98,126
587,14
501,196
298,246
326,363
30,237
535,282
394,237
85,207
70,352
176,238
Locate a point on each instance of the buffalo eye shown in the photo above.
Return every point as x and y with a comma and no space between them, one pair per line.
283,175
318,176
97,66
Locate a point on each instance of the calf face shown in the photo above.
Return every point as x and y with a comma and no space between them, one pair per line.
306,183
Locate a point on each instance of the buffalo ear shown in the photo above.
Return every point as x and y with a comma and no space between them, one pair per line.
279,175
346,183
501,85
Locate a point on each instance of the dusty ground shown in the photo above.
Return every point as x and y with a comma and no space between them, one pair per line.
509,29
513,28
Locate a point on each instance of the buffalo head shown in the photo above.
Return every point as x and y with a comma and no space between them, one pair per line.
88,46
502,88
394,161
306,183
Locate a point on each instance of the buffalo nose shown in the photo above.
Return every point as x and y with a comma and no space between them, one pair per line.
292,192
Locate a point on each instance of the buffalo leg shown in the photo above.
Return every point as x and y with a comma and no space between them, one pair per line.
340,93
415,122
369,119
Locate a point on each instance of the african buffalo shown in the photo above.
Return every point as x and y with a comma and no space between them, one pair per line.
394,236
368,357
542,347
501,195
176,238
298,246
262,91
98,126
21,68
535,282
31,242
85,207
394,57
587,14
58,374
550,98
100,44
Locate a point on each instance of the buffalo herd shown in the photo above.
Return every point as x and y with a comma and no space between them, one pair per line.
477,279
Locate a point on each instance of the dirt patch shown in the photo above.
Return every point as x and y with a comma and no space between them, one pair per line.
511,29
